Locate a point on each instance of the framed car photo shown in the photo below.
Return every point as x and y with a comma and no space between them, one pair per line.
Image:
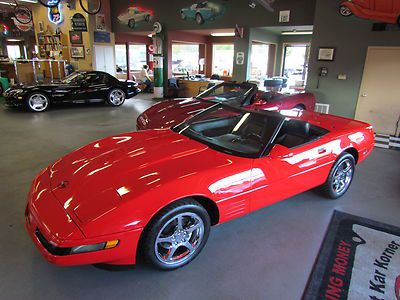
78,52
326,53
75,37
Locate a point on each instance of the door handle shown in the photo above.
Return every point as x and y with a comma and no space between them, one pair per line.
321,150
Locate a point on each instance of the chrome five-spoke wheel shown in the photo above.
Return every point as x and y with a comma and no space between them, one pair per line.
176,234
179,239
116,97
345,11
38,102
342,176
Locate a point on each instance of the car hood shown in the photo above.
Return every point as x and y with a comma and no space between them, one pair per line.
89,182
171,112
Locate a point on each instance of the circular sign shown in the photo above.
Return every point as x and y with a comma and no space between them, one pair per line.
157,27
151,48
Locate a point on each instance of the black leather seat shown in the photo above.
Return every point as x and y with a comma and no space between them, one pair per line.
294,133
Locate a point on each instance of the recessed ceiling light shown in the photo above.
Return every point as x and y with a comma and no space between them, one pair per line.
223,34
297,32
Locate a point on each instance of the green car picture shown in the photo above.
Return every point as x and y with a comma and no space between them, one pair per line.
202,12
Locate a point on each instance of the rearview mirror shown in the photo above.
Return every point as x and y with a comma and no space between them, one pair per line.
279,151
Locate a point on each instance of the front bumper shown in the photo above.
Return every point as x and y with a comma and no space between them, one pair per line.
55,253
54,232
15,101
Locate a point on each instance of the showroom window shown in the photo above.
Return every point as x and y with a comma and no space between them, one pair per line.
295,64
223,59
185,59
137,56
120,59
13,51
259,61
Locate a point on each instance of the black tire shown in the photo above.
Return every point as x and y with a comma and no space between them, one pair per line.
199,19
328,188
131,23
150,239
345,11
147,18
30,102
116,97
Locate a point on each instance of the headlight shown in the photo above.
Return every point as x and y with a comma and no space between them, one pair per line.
94,247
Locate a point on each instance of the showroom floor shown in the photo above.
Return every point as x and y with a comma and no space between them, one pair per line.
268,254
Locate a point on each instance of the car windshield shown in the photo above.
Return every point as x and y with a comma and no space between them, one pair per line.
73,78
230,93
234,131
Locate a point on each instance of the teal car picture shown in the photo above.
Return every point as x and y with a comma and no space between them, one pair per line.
202,12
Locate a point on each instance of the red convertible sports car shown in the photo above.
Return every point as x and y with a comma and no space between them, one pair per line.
158,192
387,11
168,113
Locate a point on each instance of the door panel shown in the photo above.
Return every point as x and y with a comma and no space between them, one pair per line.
304,168
384,6
378,102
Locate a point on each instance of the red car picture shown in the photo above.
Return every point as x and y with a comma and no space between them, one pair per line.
154,194
387,11
168,113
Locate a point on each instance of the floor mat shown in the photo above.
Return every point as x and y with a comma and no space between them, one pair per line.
359,259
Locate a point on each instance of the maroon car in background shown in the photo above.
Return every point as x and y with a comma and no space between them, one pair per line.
168,113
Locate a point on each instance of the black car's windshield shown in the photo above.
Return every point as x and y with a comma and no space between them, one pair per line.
231,130
230,93
73,78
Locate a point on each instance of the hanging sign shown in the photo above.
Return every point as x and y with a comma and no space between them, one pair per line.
240,58
78,22
54,13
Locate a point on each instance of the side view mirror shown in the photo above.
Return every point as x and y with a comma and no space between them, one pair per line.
279,151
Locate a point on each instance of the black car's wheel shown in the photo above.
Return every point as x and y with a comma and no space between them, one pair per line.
116,97
340,177
199,19
345,11
37,102
147,18
176,235
131,23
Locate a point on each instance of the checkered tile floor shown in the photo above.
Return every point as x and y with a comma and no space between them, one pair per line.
387,141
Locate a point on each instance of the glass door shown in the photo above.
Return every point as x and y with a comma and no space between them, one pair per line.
295,64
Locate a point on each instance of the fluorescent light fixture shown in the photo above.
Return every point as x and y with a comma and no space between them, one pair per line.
7,3
223,34
28,1
297,32
14,40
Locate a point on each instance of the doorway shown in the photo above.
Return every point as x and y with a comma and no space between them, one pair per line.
295,64
378,101
104,59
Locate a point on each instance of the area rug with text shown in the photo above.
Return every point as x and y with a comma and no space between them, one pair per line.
359,259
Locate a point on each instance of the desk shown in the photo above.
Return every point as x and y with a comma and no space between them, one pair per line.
192,87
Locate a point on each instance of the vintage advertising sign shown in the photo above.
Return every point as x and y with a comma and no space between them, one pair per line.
360,259
55,12
78,22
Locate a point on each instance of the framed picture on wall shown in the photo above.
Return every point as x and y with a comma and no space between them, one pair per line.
326,53
75,37
77,51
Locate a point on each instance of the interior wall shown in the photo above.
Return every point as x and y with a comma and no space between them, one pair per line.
351,37
168,13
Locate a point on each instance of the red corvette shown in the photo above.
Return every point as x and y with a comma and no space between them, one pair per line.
387,11
159,191
166,114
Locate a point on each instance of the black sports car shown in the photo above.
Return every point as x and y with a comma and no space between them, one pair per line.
79,87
